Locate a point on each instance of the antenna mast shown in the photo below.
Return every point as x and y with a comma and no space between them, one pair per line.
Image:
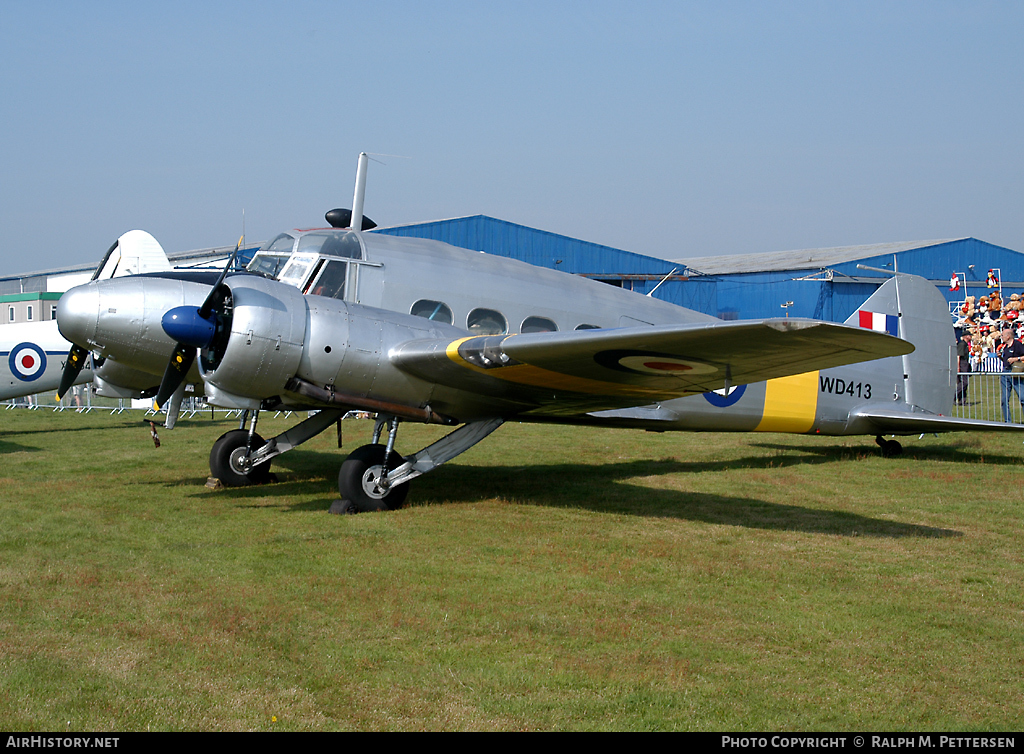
356,223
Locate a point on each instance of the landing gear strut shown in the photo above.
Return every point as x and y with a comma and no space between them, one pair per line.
365,476
890,448
375,478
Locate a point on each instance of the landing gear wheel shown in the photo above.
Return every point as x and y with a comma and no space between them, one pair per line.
359,475
890,448
226,460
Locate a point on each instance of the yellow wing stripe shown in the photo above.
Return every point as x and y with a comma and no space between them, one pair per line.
790,404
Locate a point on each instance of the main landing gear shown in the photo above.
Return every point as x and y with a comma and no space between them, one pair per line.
231,458
374,477
890,448
366,479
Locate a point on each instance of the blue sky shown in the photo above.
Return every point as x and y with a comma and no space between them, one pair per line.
673,129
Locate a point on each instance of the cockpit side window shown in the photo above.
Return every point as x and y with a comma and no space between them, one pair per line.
294,273
331,281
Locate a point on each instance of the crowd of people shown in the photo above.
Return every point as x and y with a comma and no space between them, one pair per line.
982,320
989,340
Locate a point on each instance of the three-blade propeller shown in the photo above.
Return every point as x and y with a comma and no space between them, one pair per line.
77,358
192,328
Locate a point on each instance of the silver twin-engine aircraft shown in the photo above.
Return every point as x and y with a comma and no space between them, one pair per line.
417,330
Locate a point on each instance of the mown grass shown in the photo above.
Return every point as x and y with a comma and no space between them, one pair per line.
550,578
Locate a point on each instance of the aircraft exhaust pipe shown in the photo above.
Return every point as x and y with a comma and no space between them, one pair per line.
317,393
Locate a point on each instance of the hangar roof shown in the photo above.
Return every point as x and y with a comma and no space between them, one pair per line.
803,259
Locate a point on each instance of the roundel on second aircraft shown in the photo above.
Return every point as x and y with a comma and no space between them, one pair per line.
27,361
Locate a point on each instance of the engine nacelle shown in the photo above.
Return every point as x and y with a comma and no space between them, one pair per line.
258,344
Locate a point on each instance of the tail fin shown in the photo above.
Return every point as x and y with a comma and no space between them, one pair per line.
912,308
134,253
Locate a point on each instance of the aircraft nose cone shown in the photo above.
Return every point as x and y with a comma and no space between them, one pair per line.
78,313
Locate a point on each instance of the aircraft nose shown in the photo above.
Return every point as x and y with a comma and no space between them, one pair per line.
78,313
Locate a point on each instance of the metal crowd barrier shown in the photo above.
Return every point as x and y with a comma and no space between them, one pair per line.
983,398
982,401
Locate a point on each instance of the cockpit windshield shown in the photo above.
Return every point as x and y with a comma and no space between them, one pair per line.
331,243
315,262
271,257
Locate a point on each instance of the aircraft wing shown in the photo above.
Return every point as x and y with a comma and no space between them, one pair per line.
884,422
566,372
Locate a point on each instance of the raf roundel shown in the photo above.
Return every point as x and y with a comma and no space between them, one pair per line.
27,361
652,362
725,398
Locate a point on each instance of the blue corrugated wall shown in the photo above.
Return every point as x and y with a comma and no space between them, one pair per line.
752,295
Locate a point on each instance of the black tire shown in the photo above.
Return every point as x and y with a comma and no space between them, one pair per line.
354,480
224,457
890,448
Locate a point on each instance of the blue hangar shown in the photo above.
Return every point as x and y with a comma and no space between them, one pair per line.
824,284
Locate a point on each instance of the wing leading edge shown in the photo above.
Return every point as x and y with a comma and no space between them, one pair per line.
567,372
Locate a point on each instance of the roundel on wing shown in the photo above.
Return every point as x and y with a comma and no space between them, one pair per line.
723,399
27,361
652,363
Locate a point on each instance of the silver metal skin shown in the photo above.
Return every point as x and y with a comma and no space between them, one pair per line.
372,344
119,320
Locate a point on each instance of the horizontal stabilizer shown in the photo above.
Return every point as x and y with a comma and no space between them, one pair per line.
902,423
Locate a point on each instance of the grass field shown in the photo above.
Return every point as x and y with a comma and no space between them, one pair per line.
550,578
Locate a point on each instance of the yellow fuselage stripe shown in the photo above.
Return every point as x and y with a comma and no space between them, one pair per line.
790,404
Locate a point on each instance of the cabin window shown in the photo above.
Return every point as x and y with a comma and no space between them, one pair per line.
538,324
486,322
588,327
435,311
331,281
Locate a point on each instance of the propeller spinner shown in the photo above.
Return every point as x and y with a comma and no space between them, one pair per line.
191,329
